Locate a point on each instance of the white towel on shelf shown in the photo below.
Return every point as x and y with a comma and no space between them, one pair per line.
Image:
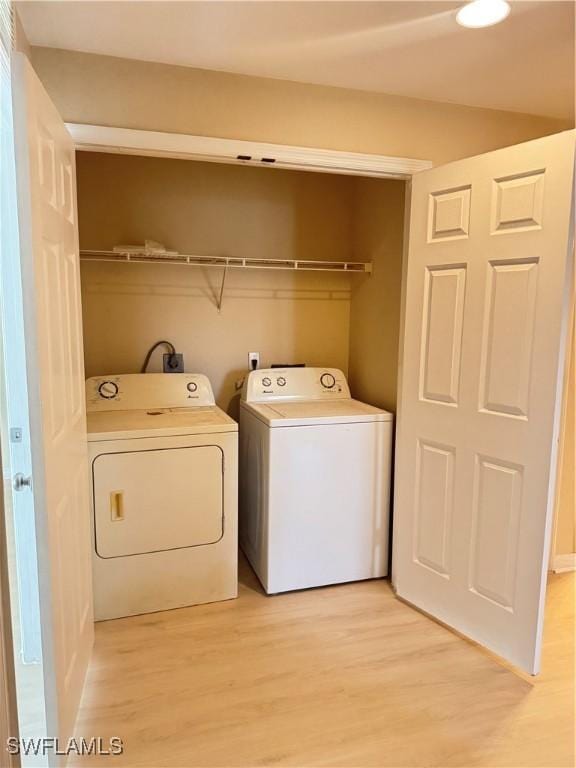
150,248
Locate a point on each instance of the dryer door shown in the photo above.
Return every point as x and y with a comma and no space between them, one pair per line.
155,500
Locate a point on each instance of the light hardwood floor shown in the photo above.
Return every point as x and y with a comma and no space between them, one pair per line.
340,676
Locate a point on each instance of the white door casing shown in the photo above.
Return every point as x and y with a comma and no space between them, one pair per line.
8,704
486,292
54,358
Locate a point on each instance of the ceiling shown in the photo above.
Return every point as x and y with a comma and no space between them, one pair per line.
416,49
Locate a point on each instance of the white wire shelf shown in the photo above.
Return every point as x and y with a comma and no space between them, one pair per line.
233,262
224,262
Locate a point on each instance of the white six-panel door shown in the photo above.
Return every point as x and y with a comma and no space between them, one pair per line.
54,358
486,290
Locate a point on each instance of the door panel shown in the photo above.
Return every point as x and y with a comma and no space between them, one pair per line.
442,333
517,202
449,214
496,516
54,361
487,283
434,482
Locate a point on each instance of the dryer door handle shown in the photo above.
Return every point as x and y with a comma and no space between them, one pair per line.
116,506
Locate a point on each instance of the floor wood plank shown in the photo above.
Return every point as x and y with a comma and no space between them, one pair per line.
340,676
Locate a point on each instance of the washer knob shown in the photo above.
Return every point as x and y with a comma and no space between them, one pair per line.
281,381
108,390
266,382
191,386
327,380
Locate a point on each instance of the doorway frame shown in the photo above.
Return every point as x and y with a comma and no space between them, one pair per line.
128,141
8,703
564,563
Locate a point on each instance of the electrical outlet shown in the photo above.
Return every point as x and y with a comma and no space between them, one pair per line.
253,361
173,363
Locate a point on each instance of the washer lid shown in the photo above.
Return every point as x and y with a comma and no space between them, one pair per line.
157,422
314,412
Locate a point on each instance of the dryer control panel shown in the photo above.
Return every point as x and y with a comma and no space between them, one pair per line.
266,384
142,391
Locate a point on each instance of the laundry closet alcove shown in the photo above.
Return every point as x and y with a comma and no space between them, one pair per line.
250,212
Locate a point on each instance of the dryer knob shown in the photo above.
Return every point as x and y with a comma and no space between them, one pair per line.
266,382
108,390
191,386
327,380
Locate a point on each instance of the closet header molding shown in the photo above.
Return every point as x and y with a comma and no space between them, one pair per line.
98,138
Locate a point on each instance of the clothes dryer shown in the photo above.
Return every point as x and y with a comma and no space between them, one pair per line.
163,466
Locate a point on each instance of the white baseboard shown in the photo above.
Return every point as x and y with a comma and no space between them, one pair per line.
563,563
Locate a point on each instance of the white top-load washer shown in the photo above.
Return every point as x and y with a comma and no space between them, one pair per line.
314,480
164,467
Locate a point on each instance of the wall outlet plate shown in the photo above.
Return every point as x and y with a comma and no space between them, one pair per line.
253,361
173,363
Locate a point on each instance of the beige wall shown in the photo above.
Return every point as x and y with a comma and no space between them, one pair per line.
375,305
213,209
89,88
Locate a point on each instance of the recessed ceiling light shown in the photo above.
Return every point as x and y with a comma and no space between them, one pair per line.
482,13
